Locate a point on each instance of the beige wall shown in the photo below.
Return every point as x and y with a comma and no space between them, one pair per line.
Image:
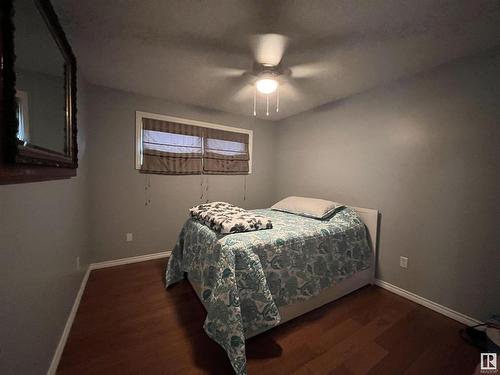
425,152
43,228
117,189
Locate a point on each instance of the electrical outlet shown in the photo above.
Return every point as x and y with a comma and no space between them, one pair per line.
130,237
403,262
78,263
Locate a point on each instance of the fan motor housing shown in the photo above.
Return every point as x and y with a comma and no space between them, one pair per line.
270,70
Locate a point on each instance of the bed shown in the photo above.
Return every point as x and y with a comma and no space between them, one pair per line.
251,282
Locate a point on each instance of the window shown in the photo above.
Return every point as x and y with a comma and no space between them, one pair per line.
171,145
22,115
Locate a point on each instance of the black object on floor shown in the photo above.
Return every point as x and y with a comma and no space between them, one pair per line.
479,339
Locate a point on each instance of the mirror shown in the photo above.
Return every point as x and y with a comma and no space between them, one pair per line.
39,102
39,70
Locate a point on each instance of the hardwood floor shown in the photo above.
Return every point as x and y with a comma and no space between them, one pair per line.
128,323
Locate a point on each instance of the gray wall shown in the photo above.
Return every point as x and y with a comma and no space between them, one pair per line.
43,228
425,152
117,189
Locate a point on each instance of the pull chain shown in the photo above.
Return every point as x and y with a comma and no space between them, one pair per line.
267,101
278,99
255,101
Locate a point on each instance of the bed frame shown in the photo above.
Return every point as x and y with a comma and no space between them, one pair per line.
356,281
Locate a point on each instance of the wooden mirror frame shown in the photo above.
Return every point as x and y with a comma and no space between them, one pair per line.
26,162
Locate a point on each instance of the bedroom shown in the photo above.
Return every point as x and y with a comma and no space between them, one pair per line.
389,108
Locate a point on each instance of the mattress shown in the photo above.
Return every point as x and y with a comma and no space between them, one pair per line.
245,278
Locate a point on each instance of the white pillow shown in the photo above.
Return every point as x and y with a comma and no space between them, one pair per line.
310,207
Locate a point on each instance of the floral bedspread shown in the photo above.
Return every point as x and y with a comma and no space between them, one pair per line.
246,277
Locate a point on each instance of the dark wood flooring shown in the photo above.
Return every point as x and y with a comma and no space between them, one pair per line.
128,323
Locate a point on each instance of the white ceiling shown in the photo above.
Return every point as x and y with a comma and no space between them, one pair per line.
177,49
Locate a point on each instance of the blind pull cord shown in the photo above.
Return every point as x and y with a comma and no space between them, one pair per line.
206,190
201,186
147,191
245,188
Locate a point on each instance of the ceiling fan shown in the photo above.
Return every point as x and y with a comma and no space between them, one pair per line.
269,73
268,50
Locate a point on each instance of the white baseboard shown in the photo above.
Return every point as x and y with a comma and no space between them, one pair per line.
136,259
93,266
462,318
67,328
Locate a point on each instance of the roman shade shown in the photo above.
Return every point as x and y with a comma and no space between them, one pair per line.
225,152
169,147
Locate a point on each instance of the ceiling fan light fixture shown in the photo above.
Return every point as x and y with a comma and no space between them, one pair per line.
266,85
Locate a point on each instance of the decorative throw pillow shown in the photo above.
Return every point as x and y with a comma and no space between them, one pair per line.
309,207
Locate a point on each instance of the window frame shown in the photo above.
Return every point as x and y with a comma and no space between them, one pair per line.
139,115
24,118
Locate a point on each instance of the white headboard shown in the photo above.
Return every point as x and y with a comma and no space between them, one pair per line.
370,218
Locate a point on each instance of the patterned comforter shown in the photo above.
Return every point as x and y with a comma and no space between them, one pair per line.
246,277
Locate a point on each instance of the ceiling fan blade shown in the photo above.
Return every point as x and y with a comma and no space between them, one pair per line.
224,87
289,90
310,70
225,72
245,93
268,48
